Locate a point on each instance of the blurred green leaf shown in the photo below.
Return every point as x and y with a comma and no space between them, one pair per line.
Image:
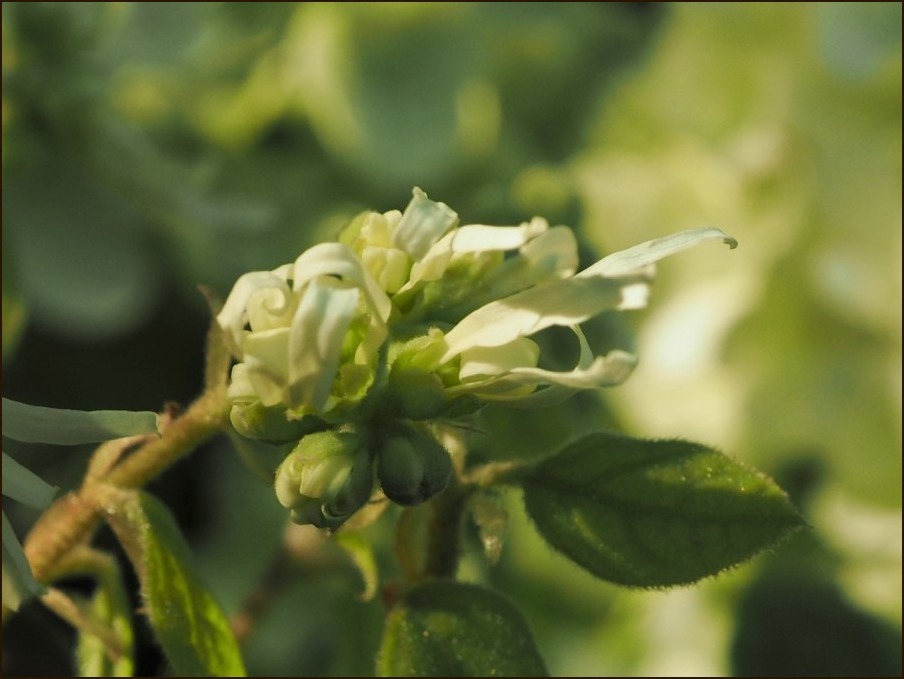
36,424
797,625
23,485
362,554
654,513
110,607
192,628
446,628
18,581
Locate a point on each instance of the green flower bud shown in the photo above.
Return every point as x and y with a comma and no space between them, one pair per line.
414,394
412,467
254,420
326,479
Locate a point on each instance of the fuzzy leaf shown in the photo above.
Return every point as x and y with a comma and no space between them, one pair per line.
36,424
110,607
451,629
654,513
189,623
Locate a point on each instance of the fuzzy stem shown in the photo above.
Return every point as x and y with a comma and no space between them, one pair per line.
72,519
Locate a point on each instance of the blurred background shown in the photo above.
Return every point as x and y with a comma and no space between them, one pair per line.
148,148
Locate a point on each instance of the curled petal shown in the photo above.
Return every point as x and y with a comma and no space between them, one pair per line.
315,343
335,259
517,384
638,257
232,317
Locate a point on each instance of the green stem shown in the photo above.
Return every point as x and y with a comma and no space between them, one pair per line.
72,519
444,532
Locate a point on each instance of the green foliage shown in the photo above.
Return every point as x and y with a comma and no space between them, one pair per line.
791,625
654,513
444,628
189,623
35,424
110,607
148,147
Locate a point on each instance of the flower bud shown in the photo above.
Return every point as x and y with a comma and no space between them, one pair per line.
326,479
412,467
414,394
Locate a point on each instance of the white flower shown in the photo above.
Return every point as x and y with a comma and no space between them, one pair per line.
498,361
308,335
301,319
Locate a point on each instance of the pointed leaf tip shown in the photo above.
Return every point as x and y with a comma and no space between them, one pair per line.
654,513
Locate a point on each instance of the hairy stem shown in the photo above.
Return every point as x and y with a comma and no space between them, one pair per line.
72,519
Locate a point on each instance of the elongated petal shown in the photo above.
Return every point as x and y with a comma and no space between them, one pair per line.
423,223
232,317
25,486
480,238
37,424
558,303
316,339
517,384
636,258
335,259
18,581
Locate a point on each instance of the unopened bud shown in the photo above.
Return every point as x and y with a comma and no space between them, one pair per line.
412,467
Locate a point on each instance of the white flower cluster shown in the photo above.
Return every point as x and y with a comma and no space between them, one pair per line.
309,335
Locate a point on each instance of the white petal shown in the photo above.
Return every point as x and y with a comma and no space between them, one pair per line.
318,331
564,302
423,223
268,350
377,229
555,252
232,316
480,238
490,361
240,389
335,259
639,256
389,266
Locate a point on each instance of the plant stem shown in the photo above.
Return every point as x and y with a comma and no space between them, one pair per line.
72,519
443,532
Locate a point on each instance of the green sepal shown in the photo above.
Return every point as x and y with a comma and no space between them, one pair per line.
654,513
191,626
444,628
271,424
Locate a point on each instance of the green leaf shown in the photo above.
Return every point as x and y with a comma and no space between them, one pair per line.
36,424
654,513
18,581
362,555
189,623
25,486
445,628
109,607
